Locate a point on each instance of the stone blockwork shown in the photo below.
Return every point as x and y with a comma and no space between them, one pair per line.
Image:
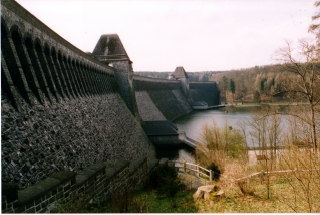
95,183
166,95
123,71
147,109
60,108
69,135
204,91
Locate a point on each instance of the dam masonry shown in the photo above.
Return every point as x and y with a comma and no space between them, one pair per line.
73,122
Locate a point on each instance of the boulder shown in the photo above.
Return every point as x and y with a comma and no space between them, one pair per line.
208,192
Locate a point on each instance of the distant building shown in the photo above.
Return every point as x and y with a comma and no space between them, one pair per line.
181,75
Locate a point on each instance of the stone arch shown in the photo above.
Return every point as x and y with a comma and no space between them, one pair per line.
93,78
38,42
69,71
36,66
76,75
98,80
60,71
7,78
16,29
85,78
26,36
82,77
50,68
25,71
46,48
53,51
39,47
64,70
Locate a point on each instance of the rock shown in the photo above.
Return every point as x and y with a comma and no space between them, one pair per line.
209,192
204,192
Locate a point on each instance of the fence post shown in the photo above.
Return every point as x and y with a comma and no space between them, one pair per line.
262,176
210,175
198,171
185,167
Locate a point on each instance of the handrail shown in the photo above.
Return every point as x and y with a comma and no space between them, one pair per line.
274,172
197,168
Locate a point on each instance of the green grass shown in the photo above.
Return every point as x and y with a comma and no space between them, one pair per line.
146,201
182,203
282,199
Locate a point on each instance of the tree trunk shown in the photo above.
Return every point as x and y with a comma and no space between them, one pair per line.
314,131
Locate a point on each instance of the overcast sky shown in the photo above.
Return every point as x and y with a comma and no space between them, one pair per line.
158,35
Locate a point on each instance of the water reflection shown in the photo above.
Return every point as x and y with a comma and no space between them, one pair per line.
193,123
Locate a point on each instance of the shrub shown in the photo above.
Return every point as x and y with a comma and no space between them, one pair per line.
165,180
215,170
220,144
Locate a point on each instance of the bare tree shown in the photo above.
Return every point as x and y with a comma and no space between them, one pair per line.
300,170
275,130
315,27
265,130
303,67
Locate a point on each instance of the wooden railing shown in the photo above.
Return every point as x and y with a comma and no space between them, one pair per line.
273,173
191,168
246,183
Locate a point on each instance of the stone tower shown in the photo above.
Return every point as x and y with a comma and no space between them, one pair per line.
181,75
110,50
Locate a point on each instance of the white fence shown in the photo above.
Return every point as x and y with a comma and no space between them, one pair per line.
191,169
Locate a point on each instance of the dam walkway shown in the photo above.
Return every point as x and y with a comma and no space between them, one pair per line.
165,133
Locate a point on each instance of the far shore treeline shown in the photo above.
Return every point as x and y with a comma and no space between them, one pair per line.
255,84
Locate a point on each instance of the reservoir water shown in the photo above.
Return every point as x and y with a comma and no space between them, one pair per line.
193,123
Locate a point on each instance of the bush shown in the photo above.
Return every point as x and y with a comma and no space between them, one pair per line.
165,180
215,170
217,145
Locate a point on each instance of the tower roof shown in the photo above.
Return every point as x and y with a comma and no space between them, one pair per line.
109,48
180,73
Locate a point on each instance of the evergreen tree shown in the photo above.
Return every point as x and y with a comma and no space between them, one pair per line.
232,86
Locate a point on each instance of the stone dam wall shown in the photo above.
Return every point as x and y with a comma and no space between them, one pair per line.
204,91
159,99
97,183
67,119
60,108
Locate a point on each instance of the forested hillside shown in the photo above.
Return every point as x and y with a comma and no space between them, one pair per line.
259,83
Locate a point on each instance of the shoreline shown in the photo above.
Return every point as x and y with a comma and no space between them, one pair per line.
254,104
